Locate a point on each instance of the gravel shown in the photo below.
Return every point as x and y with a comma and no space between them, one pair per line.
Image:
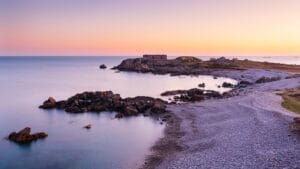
246,131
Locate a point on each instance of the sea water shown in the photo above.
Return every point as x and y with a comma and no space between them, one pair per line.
25,82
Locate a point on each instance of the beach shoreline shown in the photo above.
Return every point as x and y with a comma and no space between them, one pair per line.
261,99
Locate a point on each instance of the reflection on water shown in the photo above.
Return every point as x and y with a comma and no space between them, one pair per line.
111,143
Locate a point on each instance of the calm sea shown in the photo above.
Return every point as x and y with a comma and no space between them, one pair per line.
25,82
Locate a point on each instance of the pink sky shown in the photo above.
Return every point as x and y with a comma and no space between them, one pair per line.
134,27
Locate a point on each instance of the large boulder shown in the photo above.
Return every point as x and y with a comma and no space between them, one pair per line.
24,136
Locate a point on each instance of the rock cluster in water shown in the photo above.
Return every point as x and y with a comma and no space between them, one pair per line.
24,136
192,95
108,101
196,95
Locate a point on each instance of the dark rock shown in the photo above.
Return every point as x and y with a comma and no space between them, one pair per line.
188,59
50,103
227,85
108,101
192,95
297,120
89,126
243,84
103,66
295,125
24,136
173,92
202,85
155,57
119,116
60,104
267,79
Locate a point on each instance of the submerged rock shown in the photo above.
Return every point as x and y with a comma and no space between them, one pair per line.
24,136
108,101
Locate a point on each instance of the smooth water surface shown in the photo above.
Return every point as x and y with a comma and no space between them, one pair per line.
111,143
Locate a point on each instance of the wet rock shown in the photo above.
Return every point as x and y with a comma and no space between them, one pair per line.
119,116
227,85
192,95
202,85
48,104
24,136
267,79
243,84
103,66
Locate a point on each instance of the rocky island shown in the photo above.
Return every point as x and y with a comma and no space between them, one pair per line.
189,65
25,136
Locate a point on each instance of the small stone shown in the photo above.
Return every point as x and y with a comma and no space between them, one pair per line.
103,66
89,126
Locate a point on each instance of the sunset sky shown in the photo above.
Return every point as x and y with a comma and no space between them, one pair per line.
134,27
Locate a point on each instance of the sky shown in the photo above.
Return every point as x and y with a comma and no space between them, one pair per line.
135,27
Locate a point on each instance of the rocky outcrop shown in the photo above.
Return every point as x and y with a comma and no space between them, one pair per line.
24,136
50,103
103,66
184,65
267,79
108,101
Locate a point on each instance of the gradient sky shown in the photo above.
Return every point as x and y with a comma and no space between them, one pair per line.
134,27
